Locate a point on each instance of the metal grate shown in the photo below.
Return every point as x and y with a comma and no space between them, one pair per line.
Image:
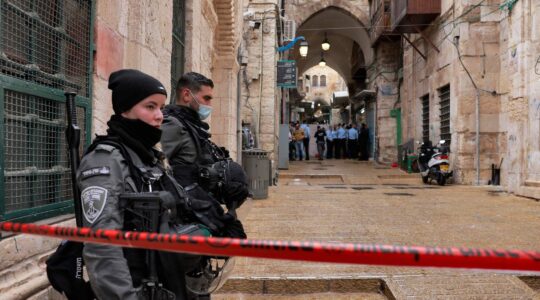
36,169
425,117
178,36
44,50
47,42
444,95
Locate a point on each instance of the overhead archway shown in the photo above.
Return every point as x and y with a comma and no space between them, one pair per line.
348,35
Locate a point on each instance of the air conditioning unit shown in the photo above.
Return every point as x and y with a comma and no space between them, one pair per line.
289,30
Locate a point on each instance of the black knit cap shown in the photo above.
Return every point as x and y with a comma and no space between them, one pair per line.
130,87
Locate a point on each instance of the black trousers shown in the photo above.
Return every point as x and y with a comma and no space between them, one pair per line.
329,149
306,147
340,148
353,148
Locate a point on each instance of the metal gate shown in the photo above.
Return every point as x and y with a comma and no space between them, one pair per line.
45,48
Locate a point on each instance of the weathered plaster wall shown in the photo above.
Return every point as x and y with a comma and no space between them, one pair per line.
129,34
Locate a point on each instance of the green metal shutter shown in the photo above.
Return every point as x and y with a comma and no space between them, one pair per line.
425,117
45,49
178,36
444,95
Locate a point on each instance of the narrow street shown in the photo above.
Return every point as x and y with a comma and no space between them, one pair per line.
359,202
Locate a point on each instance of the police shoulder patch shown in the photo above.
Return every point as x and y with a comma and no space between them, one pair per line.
93,200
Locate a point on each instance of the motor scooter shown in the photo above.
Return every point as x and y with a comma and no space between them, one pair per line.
433,163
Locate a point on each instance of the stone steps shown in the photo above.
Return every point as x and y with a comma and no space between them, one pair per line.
489,286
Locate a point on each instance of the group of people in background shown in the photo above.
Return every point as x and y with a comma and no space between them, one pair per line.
339,141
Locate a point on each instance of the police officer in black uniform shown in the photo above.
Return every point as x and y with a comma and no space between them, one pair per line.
200,166
125,161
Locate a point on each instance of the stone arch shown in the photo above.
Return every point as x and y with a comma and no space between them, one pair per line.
225,43
346,30
306,10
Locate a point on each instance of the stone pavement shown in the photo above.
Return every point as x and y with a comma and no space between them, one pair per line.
352,201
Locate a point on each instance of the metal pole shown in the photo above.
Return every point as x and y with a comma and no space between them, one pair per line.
477,136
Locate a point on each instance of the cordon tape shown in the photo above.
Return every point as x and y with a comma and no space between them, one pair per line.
347,253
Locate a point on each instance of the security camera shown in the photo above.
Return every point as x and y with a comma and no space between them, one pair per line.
249,14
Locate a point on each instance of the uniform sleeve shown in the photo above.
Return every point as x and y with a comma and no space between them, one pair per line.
176,142
101,179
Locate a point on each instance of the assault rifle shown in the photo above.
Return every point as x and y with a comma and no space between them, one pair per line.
147,208
64,267
73,136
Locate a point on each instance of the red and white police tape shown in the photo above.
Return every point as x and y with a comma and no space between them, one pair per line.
389,255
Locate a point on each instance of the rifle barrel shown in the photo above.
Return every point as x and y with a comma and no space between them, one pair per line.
73,134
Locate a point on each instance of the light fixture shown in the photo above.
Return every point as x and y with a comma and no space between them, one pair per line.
325,44
303,48
322,63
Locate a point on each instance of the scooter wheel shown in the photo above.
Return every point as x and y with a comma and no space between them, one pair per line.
441,180
425,179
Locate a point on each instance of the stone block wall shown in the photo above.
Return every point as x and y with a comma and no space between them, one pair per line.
129,34
383,78
467,37
261,105
520,104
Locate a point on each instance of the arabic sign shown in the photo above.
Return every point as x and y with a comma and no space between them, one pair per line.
286,73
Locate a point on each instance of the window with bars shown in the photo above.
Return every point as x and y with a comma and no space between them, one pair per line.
315,80
178,36
425,117
45,48
323,80
444,96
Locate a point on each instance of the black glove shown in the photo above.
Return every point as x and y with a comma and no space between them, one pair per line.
207,210
234,229
235,193
225,152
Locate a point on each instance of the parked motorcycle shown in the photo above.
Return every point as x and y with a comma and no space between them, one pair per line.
433,163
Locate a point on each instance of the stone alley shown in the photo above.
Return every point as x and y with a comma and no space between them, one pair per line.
360,202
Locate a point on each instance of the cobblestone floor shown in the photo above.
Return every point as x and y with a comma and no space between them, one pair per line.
351,201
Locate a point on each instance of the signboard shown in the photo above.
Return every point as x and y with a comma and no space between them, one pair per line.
286,73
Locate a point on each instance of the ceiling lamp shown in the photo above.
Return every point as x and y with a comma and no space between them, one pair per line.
303,48
322,63
325,44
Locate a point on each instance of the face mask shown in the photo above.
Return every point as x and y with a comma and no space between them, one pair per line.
204,110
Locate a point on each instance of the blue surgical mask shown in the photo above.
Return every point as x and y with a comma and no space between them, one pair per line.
204,110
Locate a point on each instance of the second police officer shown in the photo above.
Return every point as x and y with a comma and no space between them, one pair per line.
200,166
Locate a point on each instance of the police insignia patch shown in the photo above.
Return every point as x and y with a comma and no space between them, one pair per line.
93,200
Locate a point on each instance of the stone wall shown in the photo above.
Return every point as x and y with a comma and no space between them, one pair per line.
475,31
520,104
383,78
261,105
129,34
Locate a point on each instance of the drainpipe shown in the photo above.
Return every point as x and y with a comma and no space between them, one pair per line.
477,136
239,110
